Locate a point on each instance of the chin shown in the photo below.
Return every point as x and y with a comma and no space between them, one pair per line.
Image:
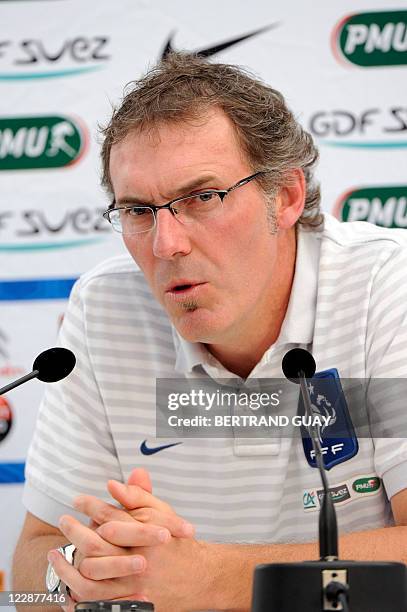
197,326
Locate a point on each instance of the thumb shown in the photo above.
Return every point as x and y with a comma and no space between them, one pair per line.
141,478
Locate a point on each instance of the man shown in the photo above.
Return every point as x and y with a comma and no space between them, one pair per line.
213,192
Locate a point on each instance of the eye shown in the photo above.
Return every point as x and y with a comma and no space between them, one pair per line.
137,211
205,197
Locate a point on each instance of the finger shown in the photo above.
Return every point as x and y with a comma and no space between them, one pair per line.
87,541
98,510
141,478
133,598
133,534
86,589
100,568
101,512
70,606
178,527
133,496
93,524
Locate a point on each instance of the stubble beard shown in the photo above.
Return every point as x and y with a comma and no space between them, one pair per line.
189,305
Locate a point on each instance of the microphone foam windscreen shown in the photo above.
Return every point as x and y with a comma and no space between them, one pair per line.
54,364
298,360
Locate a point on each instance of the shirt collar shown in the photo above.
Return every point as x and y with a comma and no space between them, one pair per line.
299,321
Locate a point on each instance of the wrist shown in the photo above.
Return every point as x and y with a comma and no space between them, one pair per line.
231,568
207,581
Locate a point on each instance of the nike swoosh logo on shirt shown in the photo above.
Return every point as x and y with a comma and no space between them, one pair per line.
207,52
146,450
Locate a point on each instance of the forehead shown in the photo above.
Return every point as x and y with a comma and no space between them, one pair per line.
175,151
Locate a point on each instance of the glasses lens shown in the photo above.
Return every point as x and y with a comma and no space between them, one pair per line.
132,220
198,207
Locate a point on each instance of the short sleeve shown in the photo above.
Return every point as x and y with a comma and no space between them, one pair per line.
386,358
72,449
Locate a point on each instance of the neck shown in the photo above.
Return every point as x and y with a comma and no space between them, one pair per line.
244,348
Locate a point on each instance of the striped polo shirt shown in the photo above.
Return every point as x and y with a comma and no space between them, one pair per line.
348,305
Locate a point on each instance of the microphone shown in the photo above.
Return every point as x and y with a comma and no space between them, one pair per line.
298,365
50,366
327,584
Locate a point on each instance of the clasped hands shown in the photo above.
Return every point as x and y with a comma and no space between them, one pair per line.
143,551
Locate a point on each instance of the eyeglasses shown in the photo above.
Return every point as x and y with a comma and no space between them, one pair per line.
198,207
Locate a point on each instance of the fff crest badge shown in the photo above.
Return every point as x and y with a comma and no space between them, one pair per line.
338,439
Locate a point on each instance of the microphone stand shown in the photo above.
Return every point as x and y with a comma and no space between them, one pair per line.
49,366
328,584
328,528
19,381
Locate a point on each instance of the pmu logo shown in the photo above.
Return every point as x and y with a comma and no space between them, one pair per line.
366,485
40,142
33,58
372,39
384,206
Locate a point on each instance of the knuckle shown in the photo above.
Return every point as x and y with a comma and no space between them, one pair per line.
103,514
91,548
87,569
134,490
144,515
107,531
143,529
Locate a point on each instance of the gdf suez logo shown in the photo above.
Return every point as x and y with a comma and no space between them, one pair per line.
40,142
383,206
339,494
35,58
370,128
372,39
64,226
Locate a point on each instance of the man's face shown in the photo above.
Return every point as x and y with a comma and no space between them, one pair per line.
214,278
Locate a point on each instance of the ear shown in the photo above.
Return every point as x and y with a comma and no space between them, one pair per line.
290,200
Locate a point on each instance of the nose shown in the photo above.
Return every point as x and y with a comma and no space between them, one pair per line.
170,236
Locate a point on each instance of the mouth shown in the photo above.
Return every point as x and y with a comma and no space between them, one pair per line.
184,289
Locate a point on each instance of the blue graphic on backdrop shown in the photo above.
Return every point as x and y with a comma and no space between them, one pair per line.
338,439
11,473
36,289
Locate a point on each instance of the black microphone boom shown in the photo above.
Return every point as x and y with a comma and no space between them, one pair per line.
51,365
327,584
298,365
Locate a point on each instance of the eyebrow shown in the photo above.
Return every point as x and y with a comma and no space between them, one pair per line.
184,189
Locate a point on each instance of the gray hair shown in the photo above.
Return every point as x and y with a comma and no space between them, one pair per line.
183,86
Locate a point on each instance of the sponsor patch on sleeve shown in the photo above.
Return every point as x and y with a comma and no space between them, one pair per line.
355,488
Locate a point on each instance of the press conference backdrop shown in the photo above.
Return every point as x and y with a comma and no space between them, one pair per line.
63,63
